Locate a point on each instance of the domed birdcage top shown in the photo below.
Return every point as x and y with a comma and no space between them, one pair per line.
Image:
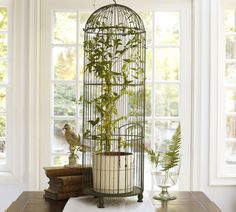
116,18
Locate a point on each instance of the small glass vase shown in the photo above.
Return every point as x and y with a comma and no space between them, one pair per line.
165,180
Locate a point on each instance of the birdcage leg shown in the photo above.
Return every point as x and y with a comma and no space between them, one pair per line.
140,197
100,202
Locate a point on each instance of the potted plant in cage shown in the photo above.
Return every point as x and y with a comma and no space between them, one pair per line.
109,161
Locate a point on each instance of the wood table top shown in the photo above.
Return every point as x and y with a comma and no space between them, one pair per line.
196,201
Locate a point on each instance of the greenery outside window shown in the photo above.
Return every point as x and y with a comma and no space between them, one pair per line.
4,83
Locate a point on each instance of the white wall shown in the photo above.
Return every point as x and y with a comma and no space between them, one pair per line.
224,197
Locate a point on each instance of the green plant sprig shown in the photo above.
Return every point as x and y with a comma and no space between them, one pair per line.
171,157
102,53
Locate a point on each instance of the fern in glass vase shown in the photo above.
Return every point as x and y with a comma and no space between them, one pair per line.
166,172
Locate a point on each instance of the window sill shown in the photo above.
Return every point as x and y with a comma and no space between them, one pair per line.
9,178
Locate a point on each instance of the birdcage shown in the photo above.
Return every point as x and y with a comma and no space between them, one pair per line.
114,103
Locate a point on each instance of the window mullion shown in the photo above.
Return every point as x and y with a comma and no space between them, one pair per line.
153,80
77,68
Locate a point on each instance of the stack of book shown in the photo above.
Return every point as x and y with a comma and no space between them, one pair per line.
64,182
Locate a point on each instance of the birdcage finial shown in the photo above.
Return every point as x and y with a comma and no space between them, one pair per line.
114,1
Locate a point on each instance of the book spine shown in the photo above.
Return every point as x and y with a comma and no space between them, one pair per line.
69,188
61,195
63,181
56,172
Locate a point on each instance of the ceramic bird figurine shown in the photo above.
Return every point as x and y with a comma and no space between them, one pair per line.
74,141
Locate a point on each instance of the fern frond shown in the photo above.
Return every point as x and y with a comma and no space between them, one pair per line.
153,156
171,158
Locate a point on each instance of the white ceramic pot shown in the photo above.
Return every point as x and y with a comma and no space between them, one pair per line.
113,172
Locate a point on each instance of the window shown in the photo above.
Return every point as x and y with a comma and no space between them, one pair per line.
4,84
162,84
168,85
165,94
67,76
229,86
223,95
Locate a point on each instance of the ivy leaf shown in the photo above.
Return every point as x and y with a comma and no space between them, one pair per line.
95,137
128,60
115,73
135,77
93,123
87,133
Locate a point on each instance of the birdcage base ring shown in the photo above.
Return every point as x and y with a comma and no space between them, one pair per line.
135,191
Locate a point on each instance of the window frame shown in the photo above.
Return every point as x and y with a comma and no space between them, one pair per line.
219,172
12,173
183,107
6,167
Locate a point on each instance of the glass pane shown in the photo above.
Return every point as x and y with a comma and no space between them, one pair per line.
59,160
230,73
231,153
230,100
64,63
231,127
64,99
148,23
164,130
148,108
80,105
2,126
59,143
2,100
3,19
3,45
167,100
230,20
148,134
83,17
64,28
2,146
135,106
167,64
3,71
149,64
2,151
81,63
167,27
231,47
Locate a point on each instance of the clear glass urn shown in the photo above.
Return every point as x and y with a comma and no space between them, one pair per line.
165,180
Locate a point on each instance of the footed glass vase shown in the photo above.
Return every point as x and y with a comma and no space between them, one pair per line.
165,180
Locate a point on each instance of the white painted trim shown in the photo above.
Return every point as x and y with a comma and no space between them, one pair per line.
45,91
10,178
185,94
34,36
214,107
18,77
196,97
229,3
